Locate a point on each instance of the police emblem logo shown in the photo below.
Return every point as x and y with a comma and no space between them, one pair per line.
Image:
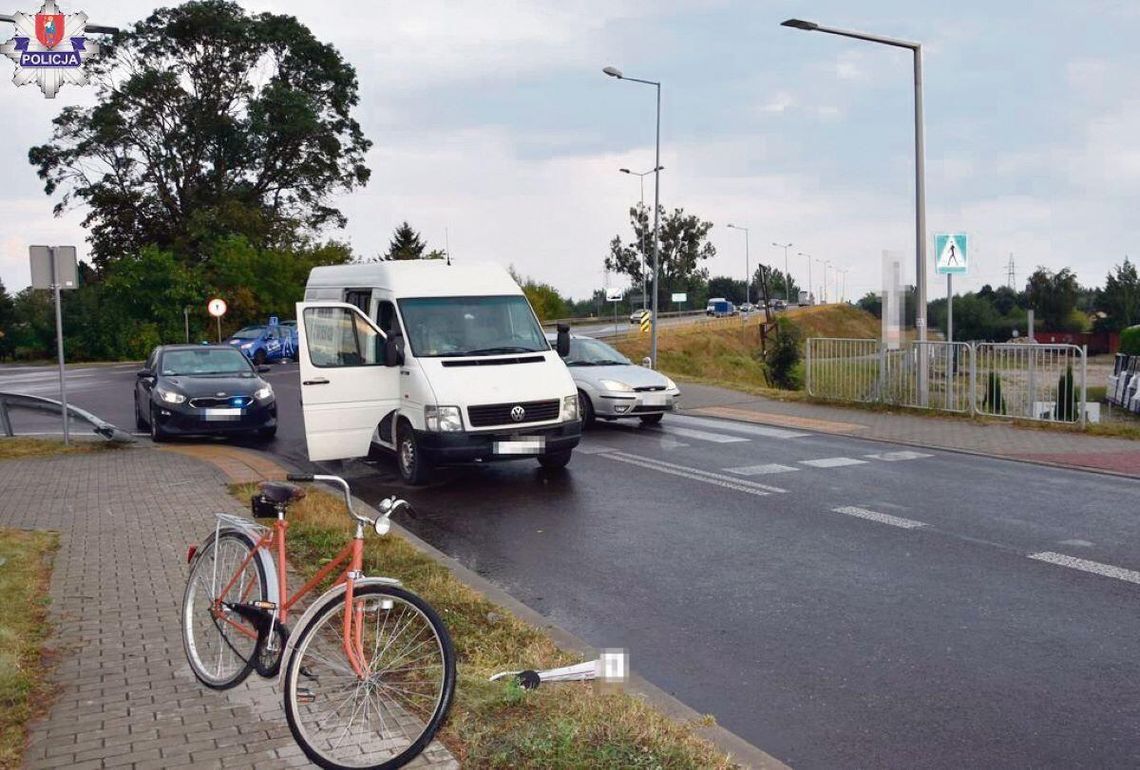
50,48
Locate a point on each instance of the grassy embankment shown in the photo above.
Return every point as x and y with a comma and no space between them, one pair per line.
498,724
20,448
24,571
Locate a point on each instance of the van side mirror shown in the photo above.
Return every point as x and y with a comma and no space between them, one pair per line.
562,345
394,350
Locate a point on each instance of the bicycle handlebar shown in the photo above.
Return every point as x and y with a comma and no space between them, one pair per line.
299,477
388,506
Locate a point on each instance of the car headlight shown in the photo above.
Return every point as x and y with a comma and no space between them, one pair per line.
615,385
169,396
670,384
246,345
443,419
263,394
570,408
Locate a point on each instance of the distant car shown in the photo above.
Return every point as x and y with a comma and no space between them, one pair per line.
636,316
778,304
747,307
264,343
610,386
202,389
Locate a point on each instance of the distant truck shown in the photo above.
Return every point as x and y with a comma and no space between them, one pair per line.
805,297
721,308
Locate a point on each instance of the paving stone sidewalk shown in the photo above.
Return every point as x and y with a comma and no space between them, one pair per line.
126,695
1069,449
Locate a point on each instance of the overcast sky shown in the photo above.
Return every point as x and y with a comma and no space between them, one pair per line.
492,121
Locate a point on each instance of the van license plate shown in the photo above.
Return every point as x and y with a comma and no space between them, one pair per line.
223,414
522,446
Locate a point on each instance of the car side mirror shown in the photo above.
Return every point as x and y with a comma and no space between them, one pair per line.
262,369
143,374
394,350
562,345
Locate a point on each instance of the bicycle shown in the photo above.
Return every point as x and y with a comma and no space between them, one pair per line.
370,675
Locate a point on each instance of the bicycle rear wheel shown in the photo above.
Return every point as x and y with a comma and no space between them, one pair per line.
385,719
220,645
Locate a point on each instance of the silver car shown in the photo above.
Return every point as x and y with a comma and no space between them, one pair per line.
611,387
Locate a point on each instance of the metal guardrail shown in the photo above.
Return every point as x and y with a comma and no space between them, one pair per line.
602,319
9,401
1017,380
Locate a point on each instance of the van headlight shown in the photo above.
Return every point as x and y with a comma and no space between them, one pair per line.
263,394
443,419
169,396
615,385
570,408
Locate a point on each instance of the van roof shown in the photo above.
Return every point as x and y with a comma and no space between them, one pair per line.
419,278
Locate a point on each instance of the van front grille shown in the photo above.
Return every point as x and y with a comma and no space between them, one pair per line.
486,415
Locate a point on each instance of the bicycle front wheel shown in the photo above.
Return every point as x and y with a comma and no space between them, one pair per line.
386,715
219,643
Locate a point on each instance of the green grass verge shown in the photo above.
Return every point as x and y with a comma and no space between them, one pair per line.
497,724
19,448
24,572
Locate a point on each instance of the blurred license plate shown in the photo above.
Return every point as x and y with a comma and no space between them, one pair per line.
223,414
655,399
522,446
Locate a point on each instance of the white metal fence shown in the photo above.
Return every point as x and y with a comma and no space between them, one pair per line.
1027,381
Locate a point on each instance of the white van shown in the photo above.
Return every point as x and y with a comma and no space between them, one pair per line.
440,364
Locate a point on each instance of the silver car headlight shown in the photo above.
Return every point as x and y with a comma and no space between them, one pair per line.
263,394
621,387
443,419
169,396
570,408
670,384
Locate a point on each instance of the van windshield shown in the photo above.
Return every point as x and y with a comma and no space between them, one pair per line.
471,326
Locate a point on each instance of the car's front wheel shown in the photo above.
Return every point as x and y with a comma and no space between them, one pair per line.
157,434
415,468
259,357
586,409
140,421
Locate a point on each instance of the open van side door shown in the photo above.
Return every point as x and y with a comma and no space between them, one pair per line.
347,386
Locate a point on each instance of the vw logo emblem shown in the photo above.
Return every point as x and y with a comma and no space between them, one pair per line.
518,413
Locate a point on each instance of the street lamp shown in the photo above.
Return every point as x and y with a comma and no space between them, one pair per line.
801,254
843,295
747,266
826,264
642,175
919,161
614,72
787,280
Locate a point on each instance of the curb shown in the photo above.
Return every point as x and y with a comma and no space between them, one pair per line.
739,750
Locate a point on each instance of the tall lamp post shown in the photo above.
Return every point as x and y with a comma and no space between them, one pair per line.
642,175
787,280
801,254
614,72
826,263
747,266
919,169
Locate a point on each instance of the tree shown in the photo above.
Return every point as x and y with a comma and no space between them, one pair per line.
1053,296
7,318
871,303
548,304
208,122
729,288
1120,297
781,358
406,244
777,289
682,246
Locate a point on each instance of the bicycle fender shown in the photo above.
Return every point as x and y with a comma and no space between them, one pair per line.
273,591
336,593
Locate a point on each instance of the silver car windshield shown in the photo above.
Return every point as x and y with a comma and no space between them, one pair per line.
588,352
471,326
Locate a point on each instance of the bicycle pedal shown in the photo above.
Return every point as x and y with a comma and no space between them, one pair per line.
305,695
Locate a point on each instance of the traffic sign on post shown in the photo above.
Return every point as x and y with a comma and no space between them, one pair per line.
951,253
54,267
614,295
217,308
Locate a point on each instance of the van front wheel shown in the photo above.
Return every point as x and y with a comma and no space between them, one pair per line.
414,467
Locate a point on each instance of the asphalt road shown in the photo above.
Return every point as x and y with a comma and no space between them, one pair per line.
837,602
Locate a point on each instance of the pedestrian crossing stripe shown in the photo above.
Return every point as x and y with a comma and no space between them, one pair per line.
951,252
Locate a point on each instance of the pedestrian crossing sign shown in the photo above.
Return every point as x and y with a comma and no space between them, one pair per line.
951,252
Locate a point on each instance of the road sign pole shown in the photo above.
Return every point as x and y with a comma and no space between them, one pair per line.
949,307
219,319
186,318
59,347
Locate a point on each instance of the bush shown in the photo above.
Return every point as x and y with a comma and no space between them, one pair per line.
994,402
1130,340
782,357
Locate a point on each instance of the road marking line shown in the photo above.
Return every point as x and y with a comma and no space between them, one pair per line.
759,470
594,450
1084,565
709,474
833,462
739,486
716,438
891,457
882,518
739,427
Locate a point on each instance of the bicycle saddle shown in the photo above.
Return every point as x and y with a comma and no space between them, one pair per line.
280,492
